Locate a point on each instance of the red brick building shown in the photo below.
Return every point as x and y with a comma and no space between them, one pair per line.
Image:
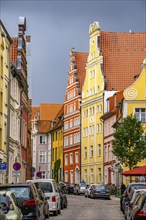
72,142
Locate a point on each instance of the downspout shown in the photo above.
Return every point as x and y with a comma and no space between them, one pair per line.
21,127
103,138
80,139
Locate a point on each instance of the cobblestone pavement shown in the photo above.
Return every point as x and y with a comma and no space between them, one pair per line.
81,208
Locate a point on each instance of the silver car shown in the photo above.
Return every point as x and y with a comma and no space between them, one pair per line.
80,188
49,188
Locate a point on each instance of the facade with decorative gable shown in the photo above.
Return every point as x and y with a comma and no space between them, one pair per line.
135,101
114,59
72,120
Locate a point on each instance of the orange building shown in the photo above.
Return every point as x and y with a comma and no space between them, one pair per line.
72,124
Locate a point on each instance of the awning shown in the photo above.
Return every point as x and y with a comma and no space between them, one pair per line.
139,171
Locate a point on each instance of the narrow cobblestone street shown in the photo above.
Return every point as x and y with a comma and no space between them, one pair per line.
80,208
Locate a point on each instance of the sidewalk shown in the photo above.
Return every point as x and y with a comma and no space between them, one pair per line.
113,197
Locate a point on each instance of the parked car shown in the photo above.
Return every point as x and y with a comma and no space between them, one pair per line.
80,188
99,191
49,187
138,211
63,196
126,195
129,204
88,190
9,206
70,188
46,204
28,200
2,215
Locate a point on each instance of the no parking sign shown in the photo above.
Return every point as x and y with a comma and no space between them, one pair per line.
16,166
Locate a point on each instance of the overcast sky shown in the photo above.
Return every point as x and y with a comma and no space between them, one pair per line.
57,26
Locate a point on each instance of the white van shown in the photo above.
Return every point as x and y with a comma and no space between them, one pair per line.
49,187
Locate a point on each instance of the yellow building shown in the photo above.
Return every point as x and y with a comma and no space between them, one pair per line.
57,147
5,42
92,110
135,101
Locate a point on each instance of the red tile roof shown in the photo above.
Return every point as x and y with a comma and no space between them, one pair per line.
13,50
123,54
81,59
43,126
46,111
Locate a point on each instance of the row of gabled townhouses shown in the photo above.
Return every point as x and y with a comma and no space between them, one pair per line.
15,105
73,142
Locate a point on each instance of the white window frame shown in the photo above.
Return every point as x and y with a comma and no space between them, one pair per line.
66,159
42,156
91,151
139,118
85,152
43,139
71,158
76,157
43,174
66,176
99,150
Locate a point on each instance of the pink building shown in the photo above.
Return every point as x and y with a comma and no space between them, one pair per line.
112,166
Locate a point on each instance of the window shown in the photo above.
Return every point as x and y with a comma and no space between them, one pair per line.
71,124
76,157
71,176
42,139
99,175
66,159
66,176
71,142
140,114
43,174
91,175
97,128
74,106
71,158
91,151
99,149
42,156
100,127
86,132
85,152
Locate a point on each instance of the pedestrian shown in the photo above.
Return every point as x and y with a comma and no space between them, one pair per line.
123,187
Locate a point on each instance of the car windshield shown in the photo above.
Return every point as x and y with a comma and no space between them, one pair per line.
44,186
21,192
101,187
83,184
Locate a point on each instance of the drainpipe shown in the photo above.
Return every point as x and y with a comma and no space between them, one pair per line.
21,128
8,121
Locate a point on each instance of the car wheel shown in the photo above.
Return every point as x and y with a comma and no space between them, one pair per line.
55,213
65,204
59,211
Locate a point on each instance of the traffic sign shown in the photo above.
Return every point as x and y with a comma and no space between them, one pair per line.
3,166
39,174
16,166
16,173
